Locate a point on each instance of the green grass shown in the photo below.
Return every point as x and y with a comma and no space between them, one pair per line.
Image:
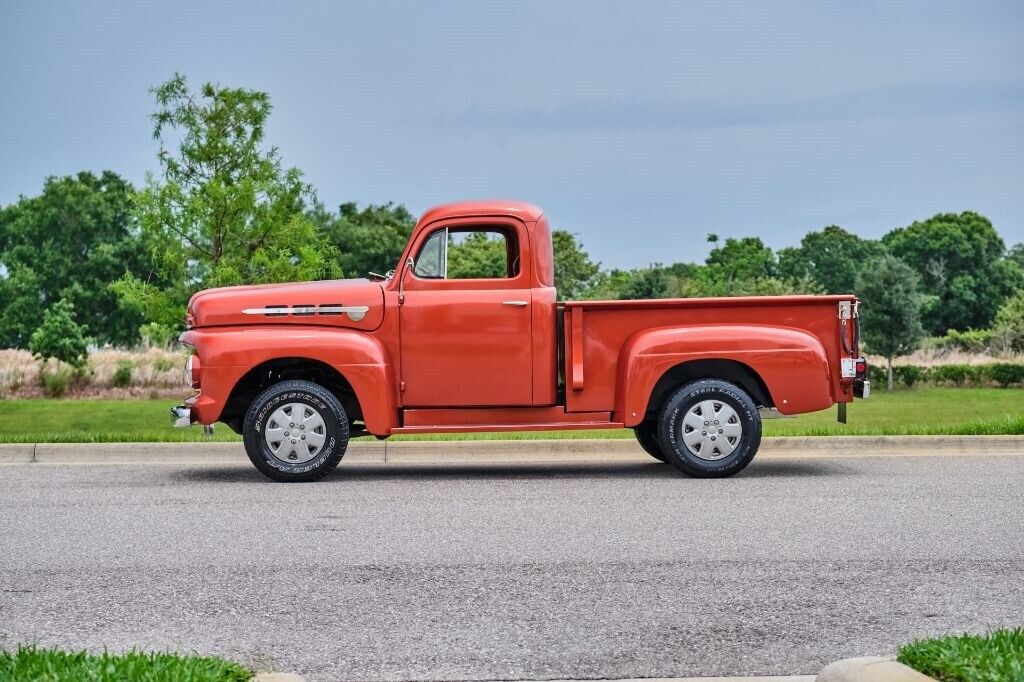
31,663
925,411
995,657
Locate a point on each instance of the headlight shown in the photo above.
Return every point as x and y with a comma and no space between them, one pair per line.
192,367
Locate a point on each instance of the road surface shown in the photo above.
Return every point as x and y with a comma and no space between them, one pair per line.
514,571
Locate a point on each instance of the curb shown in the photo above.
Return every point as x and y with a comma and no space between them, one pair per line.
556,450
277,677
870,669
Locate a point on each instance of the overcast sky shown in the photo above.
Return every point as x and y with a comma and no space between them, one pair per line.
641,126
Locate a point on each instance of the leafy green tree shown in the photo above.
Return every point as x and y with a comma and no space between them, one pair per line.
891,310
705,283
60,337
477,255
1008,327
832,257
368,240
741,259
70,242
225,210
650,282
1016,255
20,303
575,273
960,259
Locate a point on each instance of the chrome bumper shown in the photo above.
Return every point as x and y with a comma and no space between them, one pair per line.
181,416
862,389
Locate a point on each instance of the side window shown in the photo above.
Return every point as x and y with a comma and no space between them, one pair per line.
473,253
430,261
482,254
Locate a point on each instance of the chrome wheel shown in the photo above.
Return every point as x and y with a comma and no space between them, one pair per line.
711,429
295,433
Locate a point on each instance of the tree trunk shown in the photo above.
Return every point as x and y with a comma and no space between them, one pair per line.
890,373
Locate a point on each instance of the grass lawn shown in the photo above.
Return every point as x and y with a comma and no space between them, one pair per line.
995,657
936,411
31,663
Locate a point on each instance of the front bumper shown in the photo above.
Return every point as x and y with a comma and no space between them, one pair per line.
181,416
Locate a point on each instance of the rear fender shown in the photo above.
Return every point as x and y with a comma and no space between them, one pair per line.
227,354
790,363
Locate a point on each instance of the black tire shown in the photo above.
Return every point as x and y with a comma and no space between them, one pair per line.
742,412
335,431
647,435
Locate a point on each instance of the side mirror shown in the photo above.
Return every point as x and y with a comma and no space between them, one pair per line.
409,263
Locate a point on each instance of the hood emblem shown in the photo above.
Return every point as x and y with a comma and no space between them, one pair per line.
355,312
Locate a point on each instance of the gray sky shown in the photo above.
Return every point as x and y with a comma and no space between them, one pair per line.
642,126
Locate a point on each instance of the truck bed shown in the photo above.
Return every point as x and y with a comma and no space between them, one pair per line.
595,334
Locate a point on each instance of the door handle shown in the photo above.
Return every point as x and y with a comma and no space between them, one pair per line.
518,304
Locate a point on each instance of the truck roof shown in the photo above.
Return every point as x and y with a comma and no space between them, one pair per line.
482,207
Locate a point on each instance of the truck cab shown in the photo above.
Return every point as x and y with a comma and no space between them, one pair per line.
467,334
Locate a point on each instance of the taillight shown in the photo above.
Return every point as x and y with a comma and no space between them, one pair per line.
862,367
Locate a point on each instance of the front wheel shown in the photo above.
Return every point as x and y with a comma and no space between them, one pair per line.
647,435
710,429
295,431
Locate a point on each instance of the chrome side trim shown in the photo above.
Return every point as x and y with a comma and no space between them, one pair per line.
355,312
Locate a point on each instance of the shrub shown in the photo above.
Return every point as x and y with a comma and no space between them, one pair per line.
156,335
1005,374
971,341
164,364
908,375
56,382
60,337
1008,326
878,375
955,374
123,374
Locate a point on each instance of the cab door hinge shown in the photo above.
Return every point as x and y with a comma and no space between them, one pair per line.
401,387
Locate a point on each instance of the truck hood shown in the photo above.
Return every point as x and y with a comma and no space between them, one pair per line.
353,303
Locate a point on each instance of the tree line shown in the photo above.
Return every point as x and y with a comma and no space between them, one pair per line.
113,263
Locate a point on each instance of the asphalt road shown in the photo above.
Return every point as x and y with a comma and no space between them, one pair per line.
486,571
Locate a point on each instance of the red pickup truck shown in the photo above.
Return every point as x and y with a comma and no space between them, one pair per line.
466,334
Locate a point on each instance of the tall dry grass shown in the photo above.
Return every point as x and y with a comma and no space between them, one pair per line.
154,373
928,356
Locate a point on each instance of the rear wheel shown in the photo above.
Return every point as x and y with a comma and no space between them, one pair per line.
647,435
295,431
710,429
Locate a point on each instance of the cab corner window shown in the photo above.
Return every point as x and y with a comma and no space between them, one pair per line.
471,253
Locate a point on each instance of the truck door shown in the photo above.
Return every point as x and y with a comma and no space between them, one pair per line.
465,317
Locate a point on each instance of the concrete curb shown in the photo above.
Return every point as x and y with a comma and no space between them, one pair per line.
870,669
277,677
560,450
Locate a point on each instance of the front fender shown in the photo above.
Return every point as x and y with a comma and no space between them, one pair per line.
791,363
226,354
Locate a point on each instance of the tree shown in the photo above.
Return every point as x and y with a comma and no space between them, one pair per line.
60,337
575,273
70,242
477,254
650,282
890,311
832,257
370,240
1016,254
225,211
1008,327
741,259
960,259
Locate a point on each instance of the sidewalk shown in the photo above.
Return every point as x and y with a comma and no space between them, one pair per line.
511,451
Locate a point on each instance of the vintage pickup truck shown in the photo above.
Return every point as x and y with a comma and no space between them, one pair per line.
451,342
